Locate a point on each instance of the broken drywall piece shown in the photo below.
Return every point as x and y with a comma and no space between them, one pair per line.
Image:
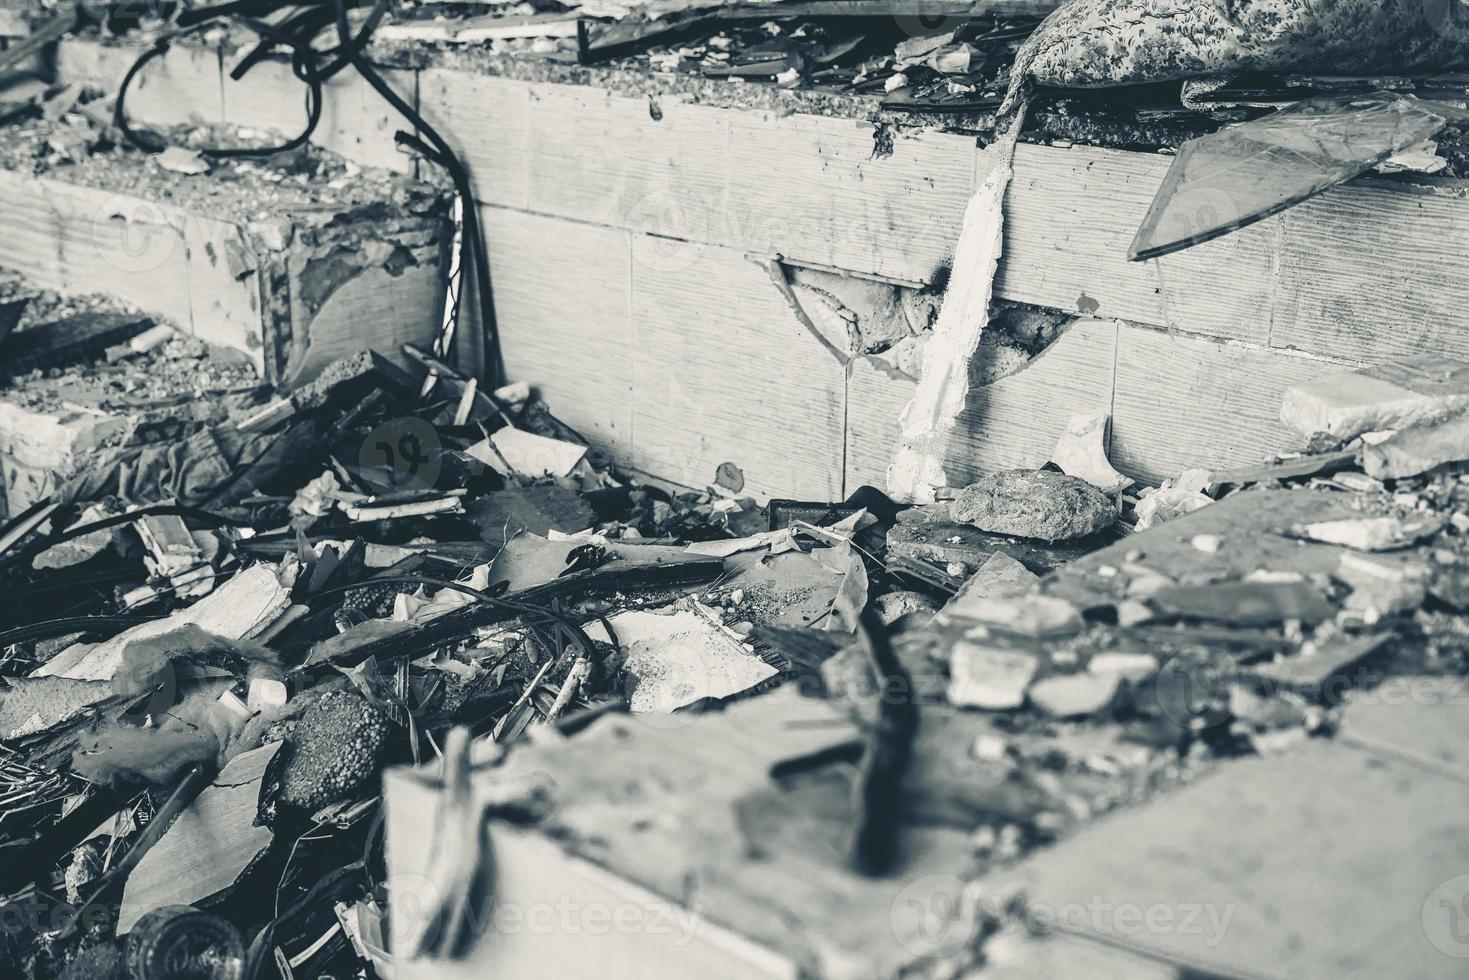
511,450
678,659
1396,395
1082,452
210,846
928,420
237,610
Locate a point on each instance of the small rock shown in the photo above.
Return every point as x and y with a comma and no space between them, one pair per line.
1032,615
1075,695
991,748
1131,612
1131,667
895,605
1209,544
988,676
183,161
1038,504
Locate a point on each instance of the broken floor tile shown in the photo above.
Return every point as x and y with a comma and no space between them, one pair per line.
1260,869
1038,504
209,847
1395,395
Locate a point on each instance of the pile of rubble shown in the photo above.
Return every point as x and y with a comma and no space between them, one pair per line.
202,691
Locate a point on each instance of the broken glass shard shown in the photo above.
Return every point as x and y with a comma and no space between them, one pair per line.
1237,176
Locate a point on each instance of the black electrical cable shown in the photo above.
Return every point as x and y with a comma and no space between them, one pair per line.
297,33
473,255
548,615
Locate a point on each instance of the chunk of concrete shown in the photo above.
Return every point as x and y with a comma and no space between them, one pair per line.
1345,404
1076,695
989,675
1039,504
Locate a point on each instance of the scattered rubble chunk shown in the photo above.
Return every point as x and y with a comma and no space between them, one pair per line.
675,660
1076,695
1037,504
1037,616
1396,395
1131,667
1246,603
335,748
990,675
1417,450
1373,533
893,606
1082,452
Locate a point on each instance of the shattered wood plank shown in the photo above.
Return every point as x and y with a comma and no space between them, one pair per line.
926,426
238,609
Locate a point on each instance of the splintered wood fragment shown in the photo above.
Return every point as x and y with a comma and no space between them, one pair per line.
928,420
209,848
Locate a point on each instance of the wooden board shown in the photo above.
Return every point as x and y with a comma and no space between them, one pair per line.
486,120
188,84
1184,402
81,239
563,308
723,371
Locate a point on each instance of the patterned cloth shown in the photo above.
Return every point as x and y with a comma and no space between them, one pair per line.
1097,43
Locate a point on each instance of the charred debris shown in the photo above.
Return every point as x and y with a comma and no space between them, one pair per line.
232,605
